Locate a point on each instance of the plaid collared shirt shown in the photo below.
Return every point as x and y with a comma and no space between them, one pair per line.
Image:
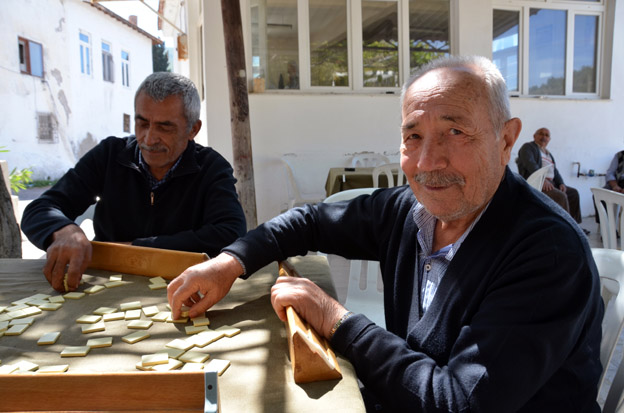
154,183
432,265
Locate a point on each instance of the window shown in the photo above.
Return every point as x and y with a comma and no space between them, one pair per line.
126,123
125,68
345,45
549,48
108,69
30,57
85,53
46,127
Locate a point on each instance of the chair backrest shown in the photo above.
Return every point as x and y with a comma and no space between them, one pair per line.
365,287
610,264
294,195
609,204
536,179
348,194
388,169
367,159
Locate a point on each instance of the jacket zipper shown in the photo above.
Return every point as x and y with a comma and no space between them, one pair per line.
152,198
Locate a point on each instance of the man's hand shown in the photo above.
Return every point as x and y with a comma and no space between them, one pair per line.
309,301
548,186
203,285
562,188
70,246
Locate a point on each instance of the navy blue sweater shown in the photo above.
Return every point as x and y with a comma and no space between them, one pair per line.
197,209
515,324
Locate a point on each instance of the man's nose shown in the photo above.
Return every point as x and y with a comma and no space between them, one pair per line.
433,155
151,136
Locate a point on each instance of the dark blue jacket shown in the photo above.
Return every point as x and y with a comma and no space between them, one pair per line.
196,210
515,324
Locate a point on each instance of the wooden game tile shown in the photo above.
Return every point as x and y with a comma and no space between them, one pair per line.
192,367
74,295
75,351
157,286
60,368
190,330
16,330
172,364
150,311
88,319
133,305
105,310
56,299
25,365
100,342
135,337
162,316
92,328
229,331
218,365
50,306
172,353
149,360
194,357
157,280
140,324
94,289
25,320
48,338
179,344
114,316
200,321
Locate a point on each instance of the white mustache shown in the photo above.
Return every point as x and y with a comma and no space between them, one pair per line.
153,148
438,179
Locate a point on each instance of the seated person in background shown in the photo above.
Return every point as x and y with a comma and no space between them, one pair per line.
156,189
534,155
492,298
615,173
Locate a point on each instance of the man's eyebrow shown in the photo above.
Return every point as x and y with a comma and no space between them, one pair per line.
139,117
408,126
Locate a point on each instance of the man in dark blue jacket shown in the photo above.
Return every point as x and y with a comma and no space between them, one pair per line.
156,189
491,296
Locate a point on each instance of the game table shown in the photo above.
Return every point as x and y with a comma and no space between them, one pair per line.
259,378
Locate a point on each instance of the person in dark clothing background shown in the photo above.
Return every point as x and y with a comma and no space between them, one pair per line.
156,189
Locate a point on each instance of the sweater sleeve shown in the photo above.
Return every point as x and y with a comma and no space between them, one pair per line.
528,160
68,198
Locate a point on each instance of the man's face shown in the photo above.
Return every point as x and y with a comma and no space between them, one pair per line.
161,131
449,152
542,137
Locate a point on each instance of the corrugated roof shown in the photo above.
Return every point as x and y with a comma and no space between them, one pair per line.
115,16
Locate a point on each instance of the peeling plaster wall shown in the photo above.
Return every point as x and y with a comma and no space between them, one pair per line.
87,108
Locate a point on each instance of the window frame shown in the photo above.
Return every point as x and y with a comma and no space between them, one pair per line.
125,68
108,63
572,8
26,67
88,60
354,49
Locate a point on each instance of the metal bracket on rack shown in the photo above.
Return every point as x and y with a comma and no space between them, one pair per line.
211,401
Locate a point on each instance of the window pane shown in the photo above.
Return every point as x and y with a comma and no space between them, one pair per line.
505,45
105,47
275,46
328,43
547,41
380,43
585,38
36,59
428,30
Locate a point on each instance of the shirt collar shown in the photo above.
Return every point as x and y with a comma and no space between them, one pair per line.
155,183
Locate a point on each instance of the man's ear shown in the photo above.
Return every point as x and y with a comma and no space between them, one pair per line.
195,130
509,135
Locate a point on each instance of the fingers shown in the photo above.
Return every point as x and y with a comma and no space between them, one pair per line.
69,247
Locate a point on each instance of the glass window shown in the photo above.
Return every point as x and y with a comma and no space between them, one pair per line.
585,47
85,53
275,44
125,68
380,44
30,57
329,57
505,45
547,44
108,69
428,31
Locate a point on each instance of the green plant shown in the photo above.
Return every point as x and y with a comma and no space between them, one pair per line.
19,179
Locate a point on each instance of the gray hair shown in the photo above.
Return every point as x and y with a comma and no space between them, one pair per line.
161,85
499,108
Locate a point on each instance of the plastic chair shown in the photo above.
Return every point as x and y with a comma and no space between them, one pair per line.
295,196
536,179
364,295
609,205
367,159
388,169
610,264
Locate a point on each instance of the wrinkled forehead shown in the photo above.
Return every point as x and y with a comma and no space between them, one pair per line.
543,132
457,87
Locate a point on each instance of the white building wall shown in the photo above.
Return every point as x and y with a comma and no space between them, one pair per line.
87,108
325,129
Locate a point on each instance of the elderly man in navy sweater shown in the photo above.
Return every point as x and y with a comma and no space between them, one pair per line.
491,297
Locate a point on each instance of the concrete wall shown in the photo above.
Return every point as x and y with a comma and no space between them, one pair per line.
87,108
325,129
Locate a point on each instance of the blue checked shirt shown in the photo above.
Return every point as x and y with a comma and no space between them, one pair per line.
432,265
154,183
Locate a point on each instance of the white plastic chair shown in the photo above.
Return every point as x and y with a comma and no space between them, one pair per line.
536,179
367,159
609,205
388,169
610,264
295,196
364,295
